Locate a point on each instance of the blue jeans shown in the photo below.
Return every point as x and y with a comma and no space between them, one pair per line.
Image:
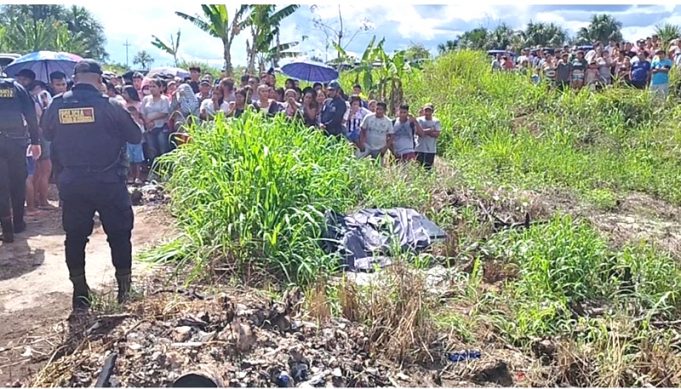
158,140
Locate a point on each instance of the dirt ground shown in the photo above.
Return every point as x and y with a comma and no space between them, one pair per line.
35,288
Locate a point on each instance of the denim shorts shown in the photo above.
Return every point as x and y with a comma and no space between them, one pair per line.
30,166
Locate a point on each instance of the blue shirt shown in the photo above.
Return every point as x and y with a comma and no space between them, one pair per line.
639,71
661,78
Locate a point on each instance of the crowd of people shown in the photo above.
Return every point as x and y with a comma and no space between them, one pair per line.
161,105
645,64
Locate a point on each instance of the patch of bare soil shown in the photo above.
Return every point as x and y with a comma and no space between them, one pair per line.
35,291
637,218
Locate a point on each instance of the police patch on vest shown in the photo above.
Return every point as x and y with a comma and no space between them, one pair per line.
76,115
6,93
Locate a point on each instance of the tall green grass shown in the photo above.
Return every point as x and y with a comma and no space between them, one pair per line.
499,128
255,191
566,262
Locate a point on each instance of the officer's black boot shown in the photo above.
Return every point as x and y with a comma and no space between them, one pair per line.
19,226
18,219
7,230
124,279
81,293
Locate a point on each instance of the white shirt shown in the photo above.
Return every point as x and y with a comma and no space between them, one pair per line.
208,106
377,131
427,144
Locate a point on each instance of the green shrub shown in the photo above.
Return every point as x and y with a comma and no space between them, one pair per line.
255,191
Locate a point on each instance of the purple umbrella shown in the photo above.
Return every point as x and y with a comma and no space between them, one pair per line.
310,71
42,63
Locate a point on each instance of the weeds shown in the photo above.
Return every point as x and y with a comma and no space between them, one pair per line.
617,139
251,194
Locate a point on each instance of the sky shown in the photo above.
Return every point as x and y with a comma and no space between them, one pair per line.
401,24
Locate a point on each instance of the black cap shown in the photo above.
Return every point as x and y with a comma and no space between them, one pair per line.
87,66
205,82
28,73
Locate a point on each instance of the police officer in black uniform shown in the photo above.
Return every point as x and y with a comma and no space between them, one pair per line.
17,111
89,132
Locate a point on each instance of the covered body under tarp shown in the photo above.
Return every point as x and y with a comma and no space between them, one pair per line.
366,237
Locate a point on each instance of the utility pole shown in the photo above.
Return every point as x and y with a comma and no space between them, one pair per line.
126,44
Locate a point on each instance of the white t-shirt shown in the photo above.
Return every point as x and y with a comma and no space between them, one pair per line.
209,107
427,144
149,106
377,131
403,137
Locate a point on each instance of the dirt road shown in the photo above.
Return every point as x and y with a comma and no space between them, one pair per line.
35,290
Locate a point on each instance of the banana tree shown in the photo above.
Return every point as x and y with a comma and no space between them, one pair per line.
171,49
216,22
392,70
264,22
68,41
364,71
275,53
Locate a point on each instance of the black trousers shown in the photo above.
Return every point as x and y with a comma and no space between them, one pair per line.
426,159
112,202
13,173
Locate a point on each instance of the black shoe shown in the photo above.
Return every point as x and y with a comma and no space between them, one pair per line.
19,227
81,293
124,279
7,230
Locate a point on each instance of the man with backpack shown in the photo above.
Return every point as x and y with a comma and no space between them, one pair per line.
401,138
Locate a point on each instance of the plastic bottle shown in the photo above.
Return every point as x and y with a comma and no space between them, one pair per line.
284,380
464,356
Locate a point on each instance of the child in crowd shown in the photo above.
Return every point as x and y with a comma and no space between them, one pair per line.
135,152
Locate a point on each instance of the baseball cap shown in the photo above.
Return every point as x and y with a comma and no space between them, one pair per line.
87,66
333,85
429,106
205,82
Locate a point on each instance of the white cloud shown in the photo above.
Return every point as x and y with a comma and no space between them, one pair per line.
401,24
551,17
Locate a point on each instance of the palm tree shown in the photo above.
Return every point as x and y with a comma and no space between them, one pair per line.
215,21
475,39
602,28
668,32
31,36
449,45
143,59
80,21
264,24
544,34
171,49
499,38
44,21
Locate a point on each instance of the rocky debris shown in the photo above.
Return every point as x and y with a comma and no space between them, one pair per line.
239,339
150,193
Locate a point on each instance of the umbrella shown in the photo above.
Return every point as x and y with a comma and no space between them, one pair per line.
310,71
42,63
175,72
